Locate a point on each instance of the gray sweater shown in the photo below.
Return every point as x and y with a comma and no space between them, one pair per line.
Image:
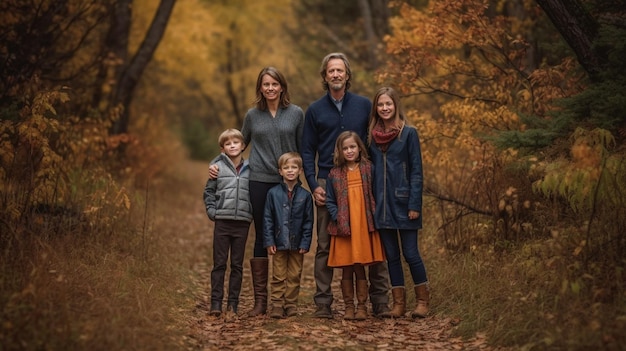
271,137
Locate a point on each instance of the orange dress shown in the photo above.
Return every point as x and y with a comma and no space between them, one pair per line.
360,247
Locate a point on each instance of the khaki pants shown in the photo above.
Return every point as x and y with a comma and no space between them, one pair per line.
286,274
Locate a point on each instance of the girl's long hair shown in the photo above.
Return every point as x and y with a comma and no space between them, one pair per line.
399,117
338,158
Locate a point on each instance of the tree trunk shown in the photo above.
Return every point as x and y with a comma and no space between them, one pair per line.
132,72
370,35
115,52
578,29
380,16
232,67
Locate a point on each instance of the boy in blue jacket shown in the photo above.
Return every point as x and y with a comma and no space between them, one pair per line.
287,234
227,201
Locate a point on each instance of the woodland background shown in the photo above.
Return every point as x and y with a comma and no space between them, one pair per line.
519,105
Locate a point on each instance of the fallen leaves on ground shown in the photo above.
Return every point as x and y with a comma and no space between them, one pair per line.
303,332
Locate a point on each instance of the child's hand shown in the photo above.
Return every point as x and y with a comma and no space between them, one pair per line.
271,250
413,214
302,251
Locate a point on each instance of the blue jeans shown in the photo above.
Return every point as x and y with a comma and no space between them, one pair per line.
410,251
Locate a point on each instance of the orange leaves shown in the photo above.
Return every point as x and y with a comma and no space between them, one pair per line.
553,82
467,67
28,156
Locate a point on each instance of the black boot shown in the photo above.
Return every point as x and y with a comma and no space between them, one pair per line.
216,308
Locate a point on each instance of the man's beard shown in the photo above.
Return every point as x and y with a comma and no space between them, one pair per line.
336,86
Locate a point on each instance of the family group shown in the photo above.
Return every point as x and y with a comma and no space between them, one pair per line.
362,162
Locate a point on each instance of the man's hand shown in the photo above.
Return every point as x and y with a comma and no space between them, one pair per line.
319,195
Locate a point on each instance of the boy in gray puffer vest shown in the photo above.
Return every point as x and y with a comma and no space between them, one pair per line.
227,201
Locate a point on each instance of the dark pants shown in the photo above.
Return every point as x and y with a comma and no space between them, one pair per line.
228,236
410,251
258,194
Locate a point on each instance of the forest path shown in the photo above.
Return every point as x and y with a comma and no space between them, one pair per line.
193,229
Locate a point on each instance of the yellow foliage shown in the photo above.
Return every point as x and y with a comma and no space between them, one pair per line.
593,173
48,162
465,69
211,45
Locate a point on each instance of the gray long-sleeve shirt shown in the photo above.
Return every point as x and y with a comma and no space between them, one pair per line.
270,137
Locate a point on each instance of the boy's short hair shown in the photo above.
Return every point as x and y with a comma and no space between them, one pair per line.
229,134
290,156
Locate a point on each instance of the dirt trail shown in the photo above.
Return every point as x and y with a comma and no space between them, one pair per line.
303,332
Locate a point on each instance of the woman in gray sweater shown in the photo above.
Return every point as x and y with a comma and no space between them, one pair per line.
272,127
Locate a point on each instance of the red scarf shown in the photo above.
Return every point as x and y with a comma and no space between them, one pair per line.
382,138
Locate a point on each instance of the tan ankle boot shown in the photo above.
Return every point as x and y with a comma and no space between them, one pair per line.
361,298
422,297
347,289
399,302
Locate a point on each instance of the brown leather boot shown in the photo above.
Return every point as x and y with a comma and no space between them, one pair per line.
361,298
347,290
422,297
399,302
259,267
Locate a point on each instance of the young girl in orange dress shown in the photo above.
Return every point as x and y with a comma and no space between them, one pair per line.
354,241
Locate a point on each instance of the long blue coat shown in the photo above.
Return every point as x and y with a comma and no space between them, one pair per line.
398,181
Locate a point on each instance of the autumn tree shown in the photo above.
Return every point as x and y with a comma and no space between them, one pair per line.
354,27
594,31
579,29
49,130
47,44
128,71
49,54
489,102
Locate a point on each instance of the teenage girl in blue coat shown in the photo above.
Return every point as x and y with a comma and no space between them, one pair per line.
398,183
